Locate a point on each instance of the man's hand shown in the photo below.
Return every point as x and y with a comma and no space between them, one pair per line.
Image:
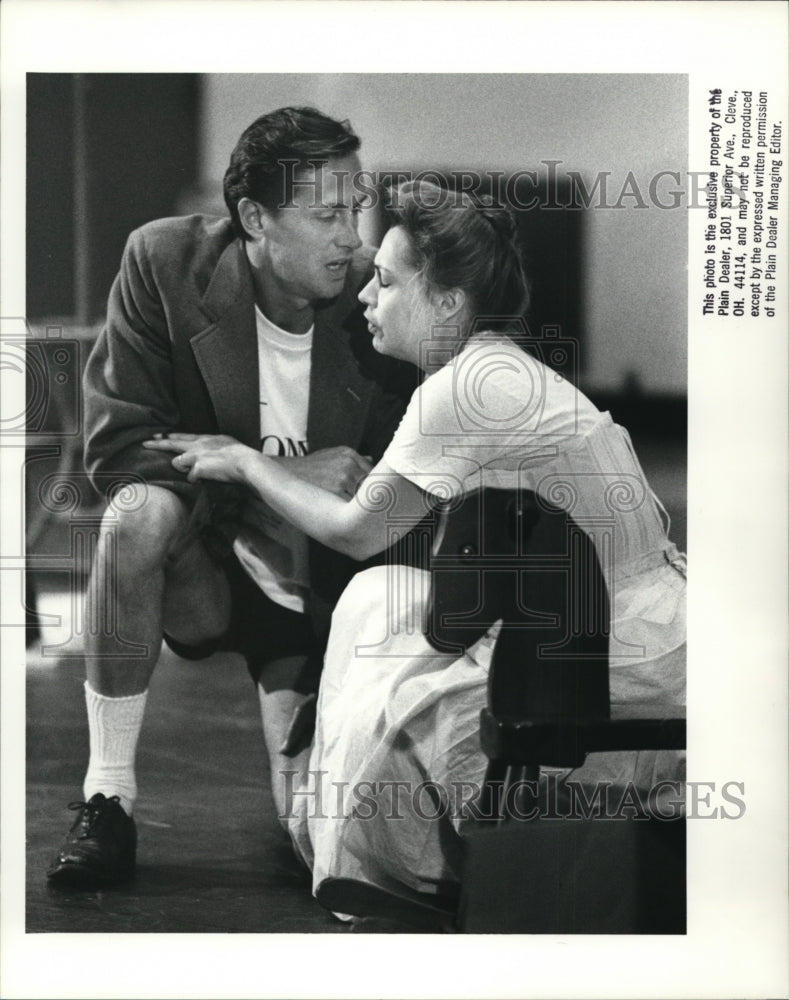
338,470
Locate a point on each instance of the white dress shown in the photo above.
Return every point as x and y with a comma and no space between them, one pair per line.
396,757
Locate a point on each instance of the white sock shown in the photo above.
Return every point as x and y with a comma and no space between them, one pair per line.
114,725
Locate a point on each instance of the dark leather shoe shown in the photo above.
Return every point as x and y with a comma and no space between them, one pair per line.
100,848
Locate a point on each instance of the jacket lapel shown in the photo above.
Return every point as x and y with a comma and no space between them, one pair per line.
339,393
227,355
227,350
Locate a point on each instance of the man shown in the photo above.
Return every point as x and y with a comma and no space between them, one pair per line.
250,327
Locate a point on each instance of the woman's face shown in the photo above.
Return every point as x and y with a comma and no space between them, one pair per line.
399,311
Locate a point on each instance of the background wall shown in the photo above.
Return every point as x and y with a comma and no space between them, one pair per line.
634,259
106,152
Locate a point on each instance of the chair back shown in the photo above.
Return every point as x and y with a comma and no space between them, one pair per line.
509,556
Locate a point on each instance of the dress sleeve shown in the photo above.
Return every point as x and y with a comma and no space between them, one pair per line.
493,407
421,450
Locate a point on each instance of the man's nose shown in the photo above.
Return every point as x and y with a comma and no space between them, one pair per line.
349,233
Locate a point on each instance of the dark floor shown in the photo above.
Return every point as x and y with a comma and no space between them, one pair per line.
212,856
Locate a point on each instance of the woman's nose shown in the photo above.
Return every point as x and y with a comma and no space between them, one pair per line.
367,294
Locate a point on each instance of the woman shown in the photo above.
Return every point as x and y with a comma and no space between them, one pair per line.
397,729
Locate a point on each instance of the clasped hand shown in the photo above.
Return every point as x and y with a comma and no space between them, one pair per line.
224,459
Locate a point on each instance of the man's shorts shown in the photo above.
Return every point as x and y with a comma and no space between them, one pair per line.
260,630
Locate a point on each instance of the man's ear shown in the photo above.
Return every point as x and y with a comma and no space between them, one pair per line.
450,304
253,218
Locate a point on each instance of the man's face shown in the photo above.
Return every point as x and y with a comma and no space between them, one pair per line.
307,245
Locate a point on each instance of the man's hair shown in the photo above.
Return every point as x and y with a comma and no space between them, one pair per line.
256,168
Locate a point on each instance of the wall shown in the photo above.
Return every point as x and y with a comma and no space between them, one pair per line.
635,281
106,152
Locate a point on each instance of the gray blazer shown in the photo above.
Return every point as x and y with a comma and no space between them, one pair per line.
179,352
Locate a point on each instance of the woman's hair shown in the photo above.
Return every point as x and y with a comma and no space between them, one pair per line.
467,242
288,137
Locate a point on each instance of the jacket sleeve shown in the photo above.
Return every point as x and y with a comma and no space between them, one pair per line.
129,391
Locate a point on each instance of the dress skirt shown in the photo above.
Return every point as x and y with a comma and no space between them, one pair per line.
396,767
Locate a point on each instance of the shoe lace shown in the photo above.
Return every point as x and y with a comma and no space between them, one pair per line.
90,813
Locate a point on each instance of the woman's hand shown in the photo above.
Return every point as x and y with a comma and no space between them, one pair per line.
206,456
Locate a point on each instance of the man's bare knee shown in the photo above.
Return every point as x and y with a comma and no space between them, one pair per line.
146,535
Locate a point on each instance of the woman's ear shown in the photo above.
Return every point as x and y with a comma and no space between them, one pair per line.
450,304
253,218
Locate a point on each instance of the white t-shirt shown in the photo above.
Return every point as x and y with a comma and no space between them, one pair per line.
270,549
485,418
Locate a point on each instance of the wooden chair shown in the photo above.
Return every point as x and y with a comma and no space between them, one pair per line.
515,558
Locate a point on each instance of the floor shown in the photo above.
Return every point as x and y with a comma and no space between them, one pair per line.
211,855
